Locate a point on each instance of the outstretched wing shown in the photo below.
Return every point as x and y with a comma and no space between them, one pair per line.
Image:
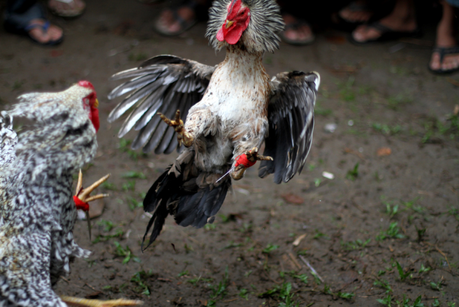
291,123
165,84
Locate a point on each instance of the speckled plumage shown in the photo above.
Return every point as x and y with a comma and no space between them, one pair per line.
36,207
230,109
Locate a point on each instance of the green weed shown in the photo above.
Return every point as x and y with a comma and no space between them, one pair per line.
244,293
355,245
353,173
139,279
219,291
282,292
386,129
129,186
269,248
183,273
391,232
124,252
401,273
134,175
423,269
383,284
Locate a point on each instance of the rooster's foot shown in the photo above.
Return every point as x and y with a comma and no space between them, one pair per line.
81,302
245,161
182,135
82,196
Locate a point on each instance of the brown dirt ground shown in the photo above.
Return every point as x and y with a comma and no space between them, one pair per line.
399,208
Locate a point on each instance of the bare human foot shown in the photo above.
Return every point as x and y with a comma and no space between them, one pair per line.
445,39
66,8
401,19
356,12
176,21
39,33
297,32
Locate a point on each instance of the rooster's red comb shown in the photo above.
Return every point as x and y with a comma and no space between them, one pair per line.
86,84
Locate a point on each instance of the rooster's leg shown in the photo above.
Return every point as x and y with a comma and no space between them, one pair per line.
81,302
182,135
251,157
82,196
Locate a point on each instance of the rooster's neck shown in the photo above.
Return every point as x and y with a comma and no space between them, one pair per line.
240,59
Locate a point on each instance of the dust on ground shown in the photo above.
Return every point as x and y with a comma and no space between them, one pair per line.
383,231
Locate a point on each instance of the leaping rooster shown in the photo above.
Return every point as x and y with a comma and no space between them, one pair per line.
230,109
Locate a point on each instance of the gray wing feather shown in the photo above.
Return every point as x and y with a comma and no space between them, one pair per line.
291,124
163,84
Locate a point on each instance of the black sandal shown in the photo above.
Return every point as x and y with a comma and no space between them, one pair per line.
442,52
21,24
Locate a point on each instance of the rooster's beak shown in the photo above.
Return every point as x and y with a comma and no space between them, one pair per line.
96,103
229,23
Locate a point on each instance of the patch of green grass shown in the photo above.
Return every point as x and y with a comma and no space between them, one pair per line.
319,234
283,293
231,244
346,90
244,293
133,203
183,273
210,227
383,284
322,112
124,252
391,210
386,301
108,186
129,186
397,101
108,225
134,175
124,146
436,285
355,245
401,273
391,232
139,279
411,205
269,248
194,281
424,269
386,129
137,57
219,291
420,232
353,173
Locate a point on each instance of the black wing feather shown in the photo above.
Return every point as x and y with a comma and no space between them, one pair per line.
291,123
159,84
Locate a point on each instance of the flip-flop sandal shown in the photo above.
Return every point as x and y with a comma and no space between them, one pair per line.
295,26
66,8
349,25
185,25
387,34
442,52
20,24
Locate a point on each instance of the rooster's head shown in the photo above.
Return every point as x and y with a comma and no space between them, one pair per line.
90,103
250,24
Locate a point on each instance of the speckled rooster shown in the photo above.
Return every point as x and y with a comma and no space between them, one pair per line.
230,109
37,212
